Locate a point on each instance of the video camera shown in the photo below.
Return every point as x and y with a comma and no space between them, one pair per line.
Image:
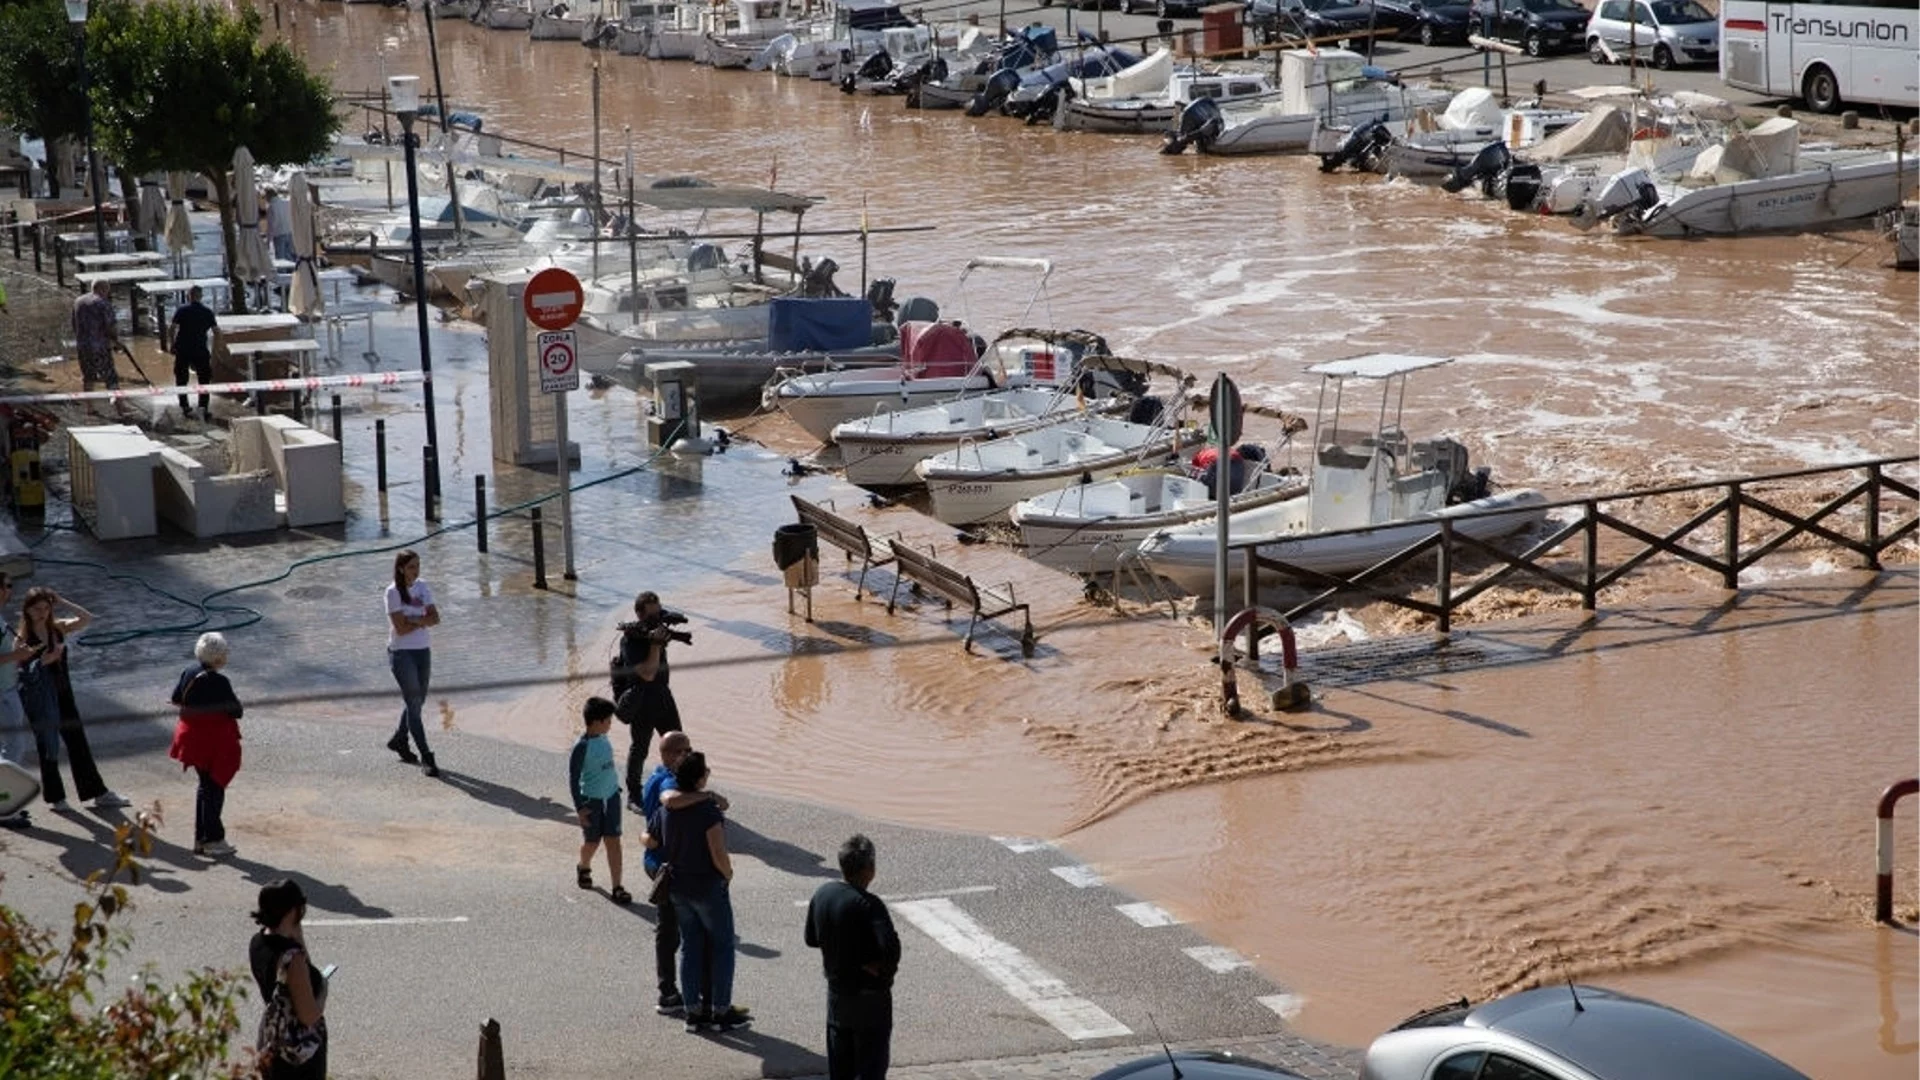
662,620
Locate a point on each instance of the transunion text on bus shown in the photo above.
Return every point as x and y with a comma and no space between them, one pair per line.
1858,29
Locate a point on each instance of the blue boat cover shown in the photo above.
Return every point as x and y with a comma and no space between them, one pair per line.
812,324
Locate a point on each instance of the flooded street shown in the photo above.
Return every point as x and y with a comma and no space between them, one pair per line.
1674,799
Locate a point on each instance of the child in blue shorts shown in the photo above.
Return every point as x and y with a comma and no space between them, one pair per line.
596,797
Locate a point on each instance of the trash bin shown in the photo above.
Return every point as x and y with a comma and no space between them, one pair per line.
796,551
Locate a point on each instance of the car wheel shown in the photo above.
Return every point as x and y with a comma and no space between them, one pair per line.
1535,46
1821,90
1663,58
1594,52
1426,34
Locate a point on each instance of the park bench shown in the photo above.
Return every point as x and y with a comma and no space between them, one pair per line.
924,572
849,536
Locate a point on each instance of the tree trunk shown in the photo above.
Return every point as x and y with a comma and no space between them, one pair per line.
229,234
60,165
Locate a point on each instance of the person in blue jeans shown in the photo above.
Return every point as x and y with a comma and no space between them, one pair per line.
695,841
595,786
410,615
658,790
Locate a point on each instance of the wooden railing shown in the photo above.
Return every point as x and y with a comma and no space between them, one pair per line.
1737,497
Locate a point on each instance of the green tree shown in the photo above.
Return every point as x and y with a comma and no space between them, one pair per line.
179,85
53,1028
40,74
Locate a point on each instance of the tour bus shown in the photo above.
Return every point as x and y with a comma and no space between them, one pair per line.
1861,52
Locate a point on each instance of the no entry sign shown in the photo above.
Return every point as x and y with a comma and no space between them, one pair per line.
553,299
559,362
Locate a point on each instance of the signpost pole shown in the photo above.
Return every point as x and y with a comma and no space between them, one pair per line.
565,464
1224,413
552,301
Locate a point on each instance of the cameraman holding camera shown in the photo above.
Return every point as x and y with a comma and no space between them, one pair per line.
642,699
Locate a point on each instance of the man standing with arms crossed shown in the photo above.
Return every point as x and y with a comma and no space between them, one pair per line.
860,952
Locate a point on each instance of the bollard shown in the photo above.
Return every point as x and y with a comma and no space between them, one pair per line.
1883,848
380,453
337,437
1850,120
426,483
1785,112
59,263
36,251
480,510
539,553
16,241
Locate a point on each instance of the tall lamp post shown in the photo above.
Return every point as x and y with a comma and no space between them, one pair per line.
77,18
404,92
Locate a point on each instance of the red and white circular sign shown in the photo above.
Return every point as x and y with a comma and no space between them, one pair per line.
553,299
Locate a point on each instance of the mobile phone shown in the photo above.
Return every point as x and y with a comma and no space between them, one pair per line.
327,971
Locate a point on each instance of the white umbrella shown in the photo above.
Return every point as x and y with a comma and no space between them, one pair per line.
304,299
250,259
151,219
179,228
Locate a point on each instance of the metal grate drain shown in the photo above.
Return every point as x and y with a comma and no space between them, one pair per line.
1407,658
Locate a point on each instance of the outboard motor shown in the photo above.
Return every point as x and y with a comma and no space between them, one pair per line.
1048,103
880,295
1523,186
1199,122
1361,148
999,85
1493,159
1146,410
1629,192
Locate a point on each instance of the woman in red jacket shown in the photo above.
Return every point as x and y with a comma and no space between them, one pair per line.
207,740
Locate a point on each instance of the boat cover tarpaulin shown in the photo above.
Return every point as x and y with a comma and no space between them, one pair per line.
1605,130
817,324
933,350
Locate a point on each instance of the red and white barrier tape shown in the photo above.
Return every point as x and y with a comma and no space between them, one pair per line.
318,382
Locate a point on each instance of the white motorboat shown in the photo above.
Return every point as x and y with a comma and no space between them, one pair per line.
1902,226
1333,86
1433,147
1371,495
504,15
1129,102
1087,528
977,482
558,22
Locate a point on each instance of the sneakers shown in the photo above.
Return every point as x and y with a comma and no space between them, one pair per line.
671,1004
58,806
696,1021
19,821
214,849
108,800
734,1017
583,876
398,744
427,767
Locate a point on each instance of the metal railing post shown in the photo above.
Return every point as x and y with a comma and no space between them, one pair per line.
1873,517
380,454
480,510
1444,581
539,552
1590,590
428,467
1883,848
1730,577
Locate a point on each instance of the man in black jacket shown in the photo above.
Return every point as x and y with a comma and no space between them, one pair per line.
860,952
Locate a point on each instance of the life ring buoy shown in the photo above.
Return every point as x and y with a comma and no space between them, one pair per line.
1293,695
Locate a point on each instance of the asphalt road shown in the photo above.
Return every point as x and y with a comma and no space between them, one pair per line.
448,902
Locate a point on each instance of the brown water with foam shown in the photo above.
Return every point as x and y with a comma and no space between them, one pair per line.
1669,806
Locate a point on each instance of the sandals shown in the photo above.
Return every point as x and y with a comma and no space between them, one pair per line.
583,876
621,896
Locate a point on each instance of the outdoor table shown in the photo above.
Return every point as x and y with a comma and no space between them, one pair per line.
121,277
173,289
273,323
120,260
297,352
337,316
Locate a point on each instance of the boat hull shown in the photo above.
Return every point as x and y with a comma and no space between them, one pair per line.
1068,529
963,495
733,378
1843,191
1106,118
819,407
1185,557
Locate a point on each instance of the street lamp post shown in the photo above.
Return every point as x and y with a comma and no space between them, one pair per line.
77,18
404,91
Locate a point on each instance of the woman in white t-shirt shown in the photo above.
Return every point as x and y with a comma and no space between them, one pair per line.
410,612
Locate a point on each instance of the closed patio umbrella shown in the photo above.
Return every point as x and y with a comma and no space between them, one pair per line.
304,298
250,259
150,218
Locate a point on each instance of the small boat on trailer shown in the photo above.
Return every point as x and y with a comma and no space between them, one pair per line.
1394,487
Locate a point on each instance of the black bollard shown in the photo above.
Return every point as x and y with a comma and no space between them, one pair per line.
36,251
337,437
426,483
480,510
59,263
539,553
380,453
16,240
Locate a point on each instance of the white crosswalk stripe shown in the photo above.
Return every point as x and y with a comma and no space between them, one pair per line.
1021,845
1285,1006
1147,914
1217,958
1015,971
1080,877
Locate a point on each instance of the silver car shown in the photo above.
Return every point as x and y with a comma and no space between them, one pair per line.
1565,1033
1669,32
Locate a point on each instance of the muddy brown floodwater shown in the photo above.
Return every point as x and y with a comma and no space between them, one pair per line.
1674,798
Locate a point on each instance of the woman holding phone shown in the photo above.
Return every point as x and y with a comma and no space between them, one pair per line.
292,1040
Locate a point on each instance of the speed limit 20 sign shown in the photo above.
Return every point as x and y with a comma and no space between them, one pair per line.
559,362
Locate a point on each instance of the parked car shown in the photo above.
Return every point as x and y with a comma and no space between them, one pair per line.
1565,1033
1166,9
1542,27
1678,31
1433,23
1273,19
1196,1065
